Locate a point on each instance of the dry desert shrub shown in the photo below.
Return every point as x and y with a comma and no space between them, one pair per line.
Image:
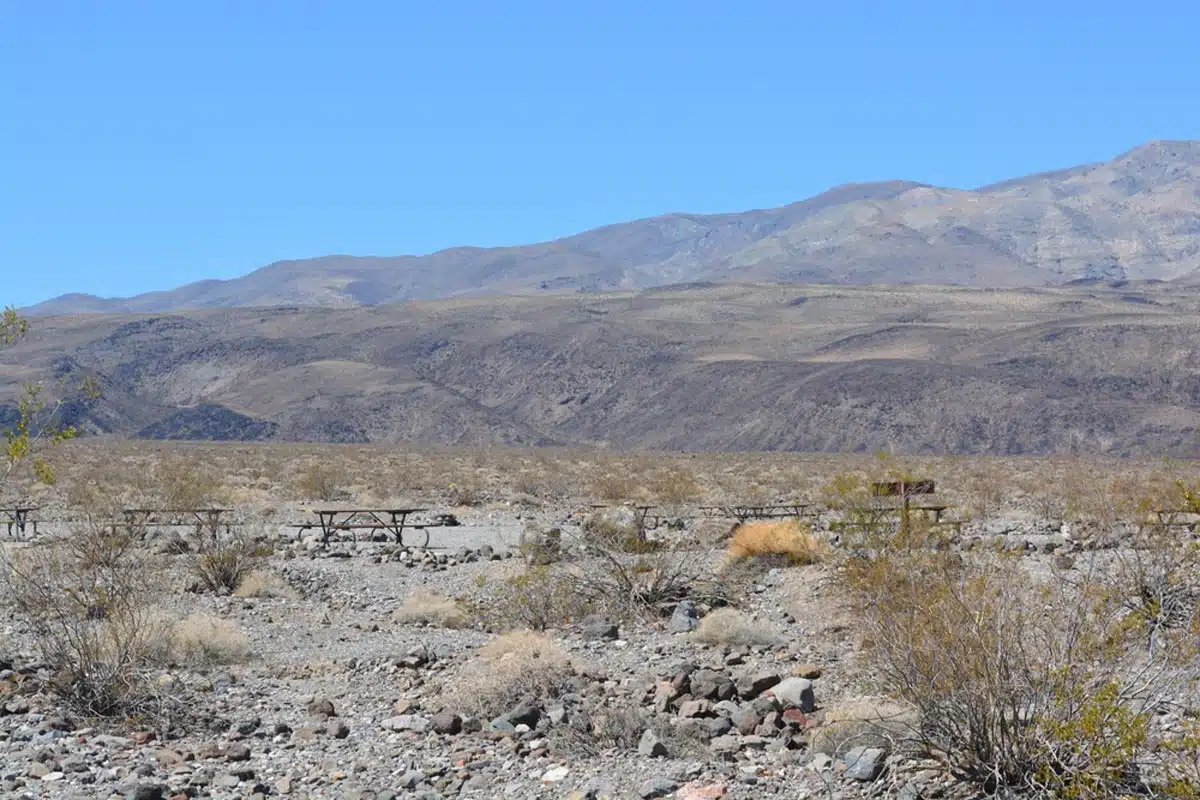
864,723
538,597
204,640
225,559
265,585
512,668
431,609
791,539
322,481
728,626
87,597
1018,684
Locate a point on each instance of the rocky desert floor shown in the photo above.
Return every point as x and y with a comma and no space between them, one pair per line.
326,684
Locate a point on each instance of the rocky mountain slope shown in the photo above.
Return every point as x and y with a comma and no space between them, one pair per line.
1083,369
1136,217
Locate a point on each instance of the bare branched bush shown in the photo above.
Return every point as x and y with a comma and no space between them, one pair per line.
728,626
513,668
539,597
183,483
87,598
635,584
1016,684
324,482
224,559
432,609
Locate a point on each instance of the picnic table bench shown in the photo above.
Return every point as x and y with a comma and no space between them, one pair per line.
643,520
1178,518
18,518
393,520
742,513
211,520
895,498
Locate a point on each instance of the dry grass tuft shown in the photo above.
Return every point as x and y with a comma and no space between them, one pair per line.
205,639
512,668
863,723
432,609
266,585
728,626
789,538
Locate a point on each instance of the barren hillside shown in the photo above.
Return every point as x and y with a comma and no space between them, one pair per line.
1074,370
1136,217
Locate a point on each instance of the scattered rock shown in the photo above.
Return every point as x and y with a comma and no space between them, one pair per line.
864,763
656,787
446,723
685,618
795,693
651,746
596,627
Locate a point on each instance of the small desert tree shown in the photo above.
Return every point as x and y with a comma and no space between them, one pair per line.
38,426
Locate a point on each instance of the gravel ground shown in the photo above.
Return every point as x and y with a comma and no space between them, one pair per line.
339,700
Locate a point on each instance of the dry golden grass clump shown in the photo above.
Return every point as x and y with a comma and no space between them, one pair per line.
205,639
789,538
432,609
265,585
864,723
728,626
513,667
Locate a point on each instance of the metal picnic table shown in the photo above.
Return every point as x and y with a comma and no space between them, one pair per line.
745,512
202,519
18,518
393,520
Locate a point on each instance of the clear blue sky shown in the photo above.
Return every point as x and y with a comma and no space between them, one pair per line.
147,144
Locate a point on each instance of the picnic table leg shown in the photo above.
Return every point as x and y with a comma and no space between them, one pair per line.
398,527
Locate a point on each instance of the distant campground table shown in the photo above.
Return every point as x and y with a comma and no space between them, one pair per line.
394,520
202,519
17,518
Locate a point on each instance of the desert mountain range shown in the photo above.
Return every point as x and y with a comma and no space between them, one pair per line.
1136,217
1064,370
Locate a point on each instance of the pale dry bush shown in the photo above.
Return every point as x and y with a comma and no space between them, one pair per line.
225,559
791,539
865,723
728,626
432,609
322,482
87,597
512,668
181,482
265,585
204,640
1018,684
537,597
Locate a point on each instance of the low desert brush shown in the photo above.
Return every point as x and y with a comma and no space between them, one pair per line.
432,609
728,626
265,585
513,668
202,639
789,538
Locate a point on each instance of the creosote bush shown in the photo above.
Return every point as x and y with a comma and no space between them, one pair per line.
224,560
323,482
87,597
512,668
1017,684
